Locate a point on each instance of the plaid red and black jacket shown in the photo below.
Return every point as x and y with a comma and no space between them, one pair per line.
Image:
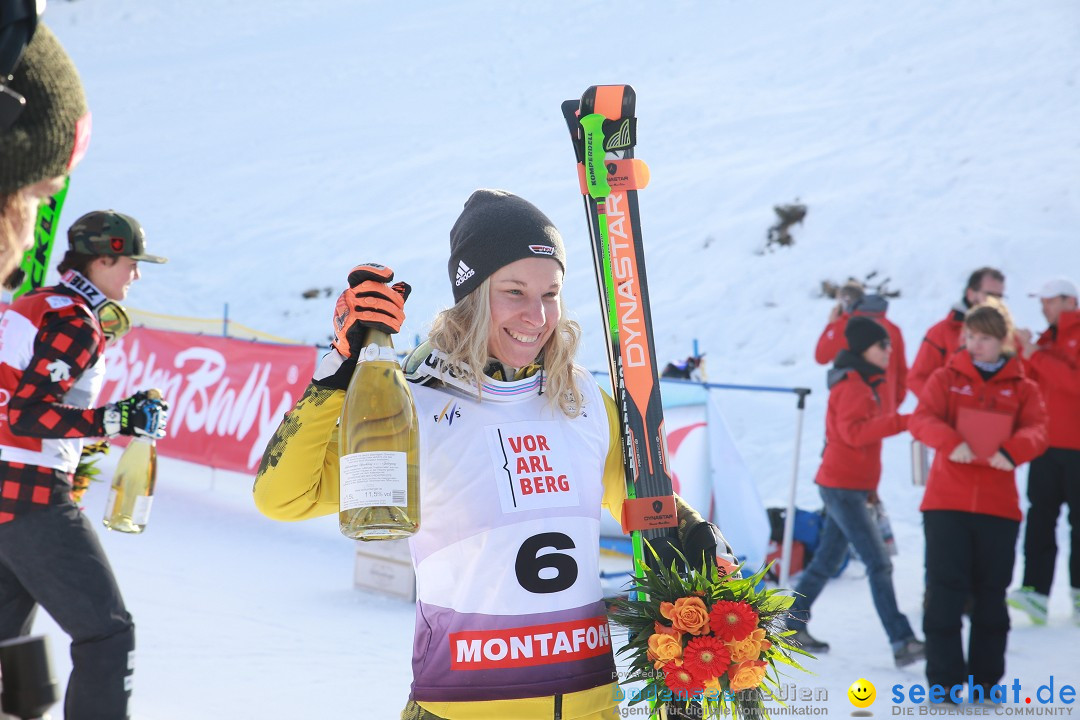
51,372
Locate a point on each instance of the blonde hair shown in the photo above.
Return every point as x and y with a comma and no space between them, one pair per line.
462,331
992,318
15,212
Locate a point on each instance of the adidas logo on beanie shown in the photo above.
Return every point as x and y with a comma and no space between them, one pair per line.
495,229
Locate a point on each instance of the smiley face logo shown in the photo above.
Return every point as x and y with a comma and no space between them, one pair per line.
862,693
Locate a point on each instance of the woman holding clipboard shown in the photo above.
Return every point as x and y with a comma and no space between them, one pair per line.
983,418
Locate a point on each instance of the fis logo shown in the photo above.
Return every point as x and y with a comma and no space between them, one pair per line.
464,272
448,413
542,249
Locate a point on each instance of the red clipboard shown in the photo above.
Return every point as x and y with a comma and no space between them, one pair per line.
983,430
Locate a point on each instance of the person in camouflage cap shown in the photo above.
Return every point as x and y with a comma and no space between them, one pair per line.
52,367
110,233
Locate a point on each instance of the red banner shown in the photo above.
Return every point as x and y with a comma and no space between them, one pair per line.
226,396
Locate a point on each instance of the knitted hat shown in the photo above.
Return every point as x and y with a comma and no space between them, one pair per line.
51,134
862,332
495,229
107,232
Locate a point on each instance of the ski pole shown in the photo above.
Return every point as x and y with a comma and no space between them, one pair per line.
789,516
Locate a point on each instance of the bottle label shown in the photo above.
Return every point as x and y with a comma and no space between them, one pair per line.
372,479
140,514
110,504
374,352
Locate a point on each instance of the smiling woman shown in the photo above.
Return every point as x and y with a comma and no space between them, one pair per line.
508,297
511,620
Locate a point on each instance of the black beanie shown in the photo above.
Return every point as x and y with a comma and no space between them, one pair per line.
862,332
495,229
51,134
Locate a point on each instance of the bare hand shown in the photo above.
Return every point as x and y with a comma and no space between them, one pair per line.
1027,348
1000,462
962,454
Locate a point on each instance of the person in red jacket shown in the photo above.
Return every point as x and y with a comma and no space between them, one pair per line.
945,337
858,419
1053,361
983,417
854,302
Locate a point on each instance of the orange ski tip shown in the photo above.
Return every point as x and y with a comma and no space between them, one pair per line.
609,101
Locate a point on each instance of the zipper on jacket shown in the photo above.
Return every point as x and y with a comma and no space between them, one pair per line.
558,707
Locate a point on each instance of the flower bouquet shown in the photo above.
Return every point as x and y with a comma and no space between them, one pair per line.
87,470
706,638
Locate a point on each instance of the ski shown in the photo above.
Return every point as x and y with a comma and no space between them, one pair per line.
35,262
604,132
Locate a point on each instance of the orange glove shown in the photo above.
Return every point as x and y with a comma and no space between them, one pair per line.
370,301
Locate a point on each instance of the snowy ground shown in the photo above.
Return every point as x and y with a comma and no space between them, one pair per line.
268,146
241,617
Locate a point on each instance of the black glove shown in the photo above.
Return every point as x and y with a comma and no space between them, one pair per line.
698,538
698,547
143,414
700,544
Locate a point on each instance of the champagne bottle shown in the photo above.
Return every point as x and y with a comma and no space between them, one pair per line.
128,507
379,447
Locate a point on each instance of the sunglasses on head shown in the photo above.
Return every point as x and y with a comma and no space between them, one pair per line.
18,20
11,106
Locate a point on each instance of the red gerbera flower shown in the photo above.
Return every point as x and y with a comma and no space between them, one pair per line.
681,681
732,620
706,657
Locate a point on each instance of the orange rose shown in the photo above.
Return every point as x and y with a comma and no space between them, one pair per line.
746,675
687,614
749,648
663,649
713,691
666,630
